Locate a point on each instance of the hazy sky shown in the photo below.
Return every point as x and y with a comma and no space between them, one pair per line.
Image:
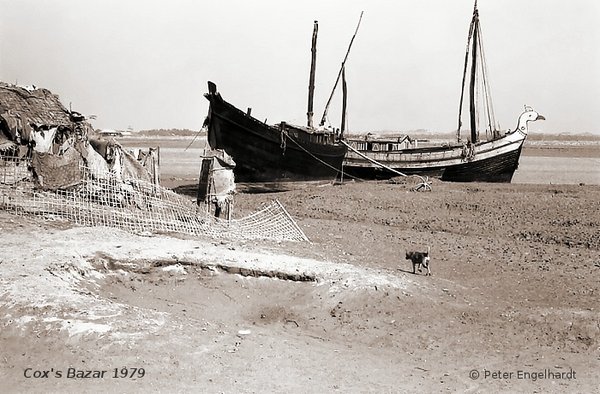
145,63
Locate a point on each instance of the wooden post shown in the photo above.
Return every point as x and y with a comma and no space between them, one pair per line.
203,180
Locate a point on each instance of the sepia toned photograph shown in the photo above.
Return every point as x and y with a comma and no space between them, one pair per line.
299,197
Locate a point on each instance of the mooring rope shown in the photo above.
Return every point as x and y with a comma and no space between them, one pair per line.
424,185
321,161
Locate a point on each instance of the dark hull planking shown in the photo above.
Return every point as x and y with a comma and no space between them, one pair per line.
499,169
264,153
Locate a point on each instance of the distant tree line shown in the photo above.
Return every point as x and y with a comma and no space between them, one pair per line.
451,135
563,137
167,132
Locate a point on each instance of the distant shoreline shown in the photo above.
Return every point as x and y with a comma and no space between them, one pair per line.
534,147
561,148
431,136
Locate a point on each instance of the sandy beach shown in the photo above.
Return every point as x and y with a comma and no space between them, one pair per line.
512,303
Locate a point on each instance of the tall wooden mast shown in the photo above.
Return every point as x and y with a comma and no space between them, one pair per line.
344,99
474,20
311,81
472,107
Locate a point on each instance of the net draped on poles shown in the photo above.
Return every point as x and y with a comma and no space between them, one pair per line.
135,206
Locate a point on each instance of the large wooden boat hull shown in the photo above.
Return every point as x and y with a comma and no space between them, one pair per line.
489,161
265,153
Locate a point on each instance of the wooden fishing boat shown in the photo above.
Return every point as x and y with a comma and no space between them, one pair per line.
266,153
490,158
280,152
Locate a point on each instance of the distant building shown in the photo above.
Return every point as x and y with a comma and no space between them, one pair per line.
109,133
112,133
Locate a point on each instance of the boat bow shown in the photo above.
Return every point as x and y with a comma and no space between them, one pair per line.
528,116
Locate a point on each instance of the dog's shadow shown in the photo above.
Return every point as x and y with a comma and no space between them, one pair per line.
407,271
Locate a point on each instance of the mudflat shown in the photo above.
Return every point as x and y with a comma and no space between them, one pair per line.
512,304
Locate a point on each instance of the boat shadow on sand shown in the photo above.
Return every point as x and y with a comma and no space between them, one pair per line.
253,188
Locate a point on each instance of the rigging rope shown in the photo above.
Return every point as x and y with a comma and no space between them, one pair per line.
195,136
489,105
424,185
424,181
309,153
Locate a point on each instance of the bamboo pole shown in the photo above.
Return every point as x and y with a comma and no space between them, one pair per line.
340,73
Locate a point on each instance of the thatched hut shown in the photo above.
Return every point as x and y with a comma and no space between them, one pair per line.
34,124
35,117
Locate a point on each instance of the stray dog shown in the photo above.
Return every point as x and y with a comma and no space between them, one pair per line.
420,259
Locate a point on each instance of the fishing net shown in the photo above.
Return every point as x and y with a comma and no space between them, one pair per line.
133,205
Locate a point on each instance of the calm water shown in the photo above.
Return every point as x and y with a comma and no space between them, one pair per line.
180,163
558,170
